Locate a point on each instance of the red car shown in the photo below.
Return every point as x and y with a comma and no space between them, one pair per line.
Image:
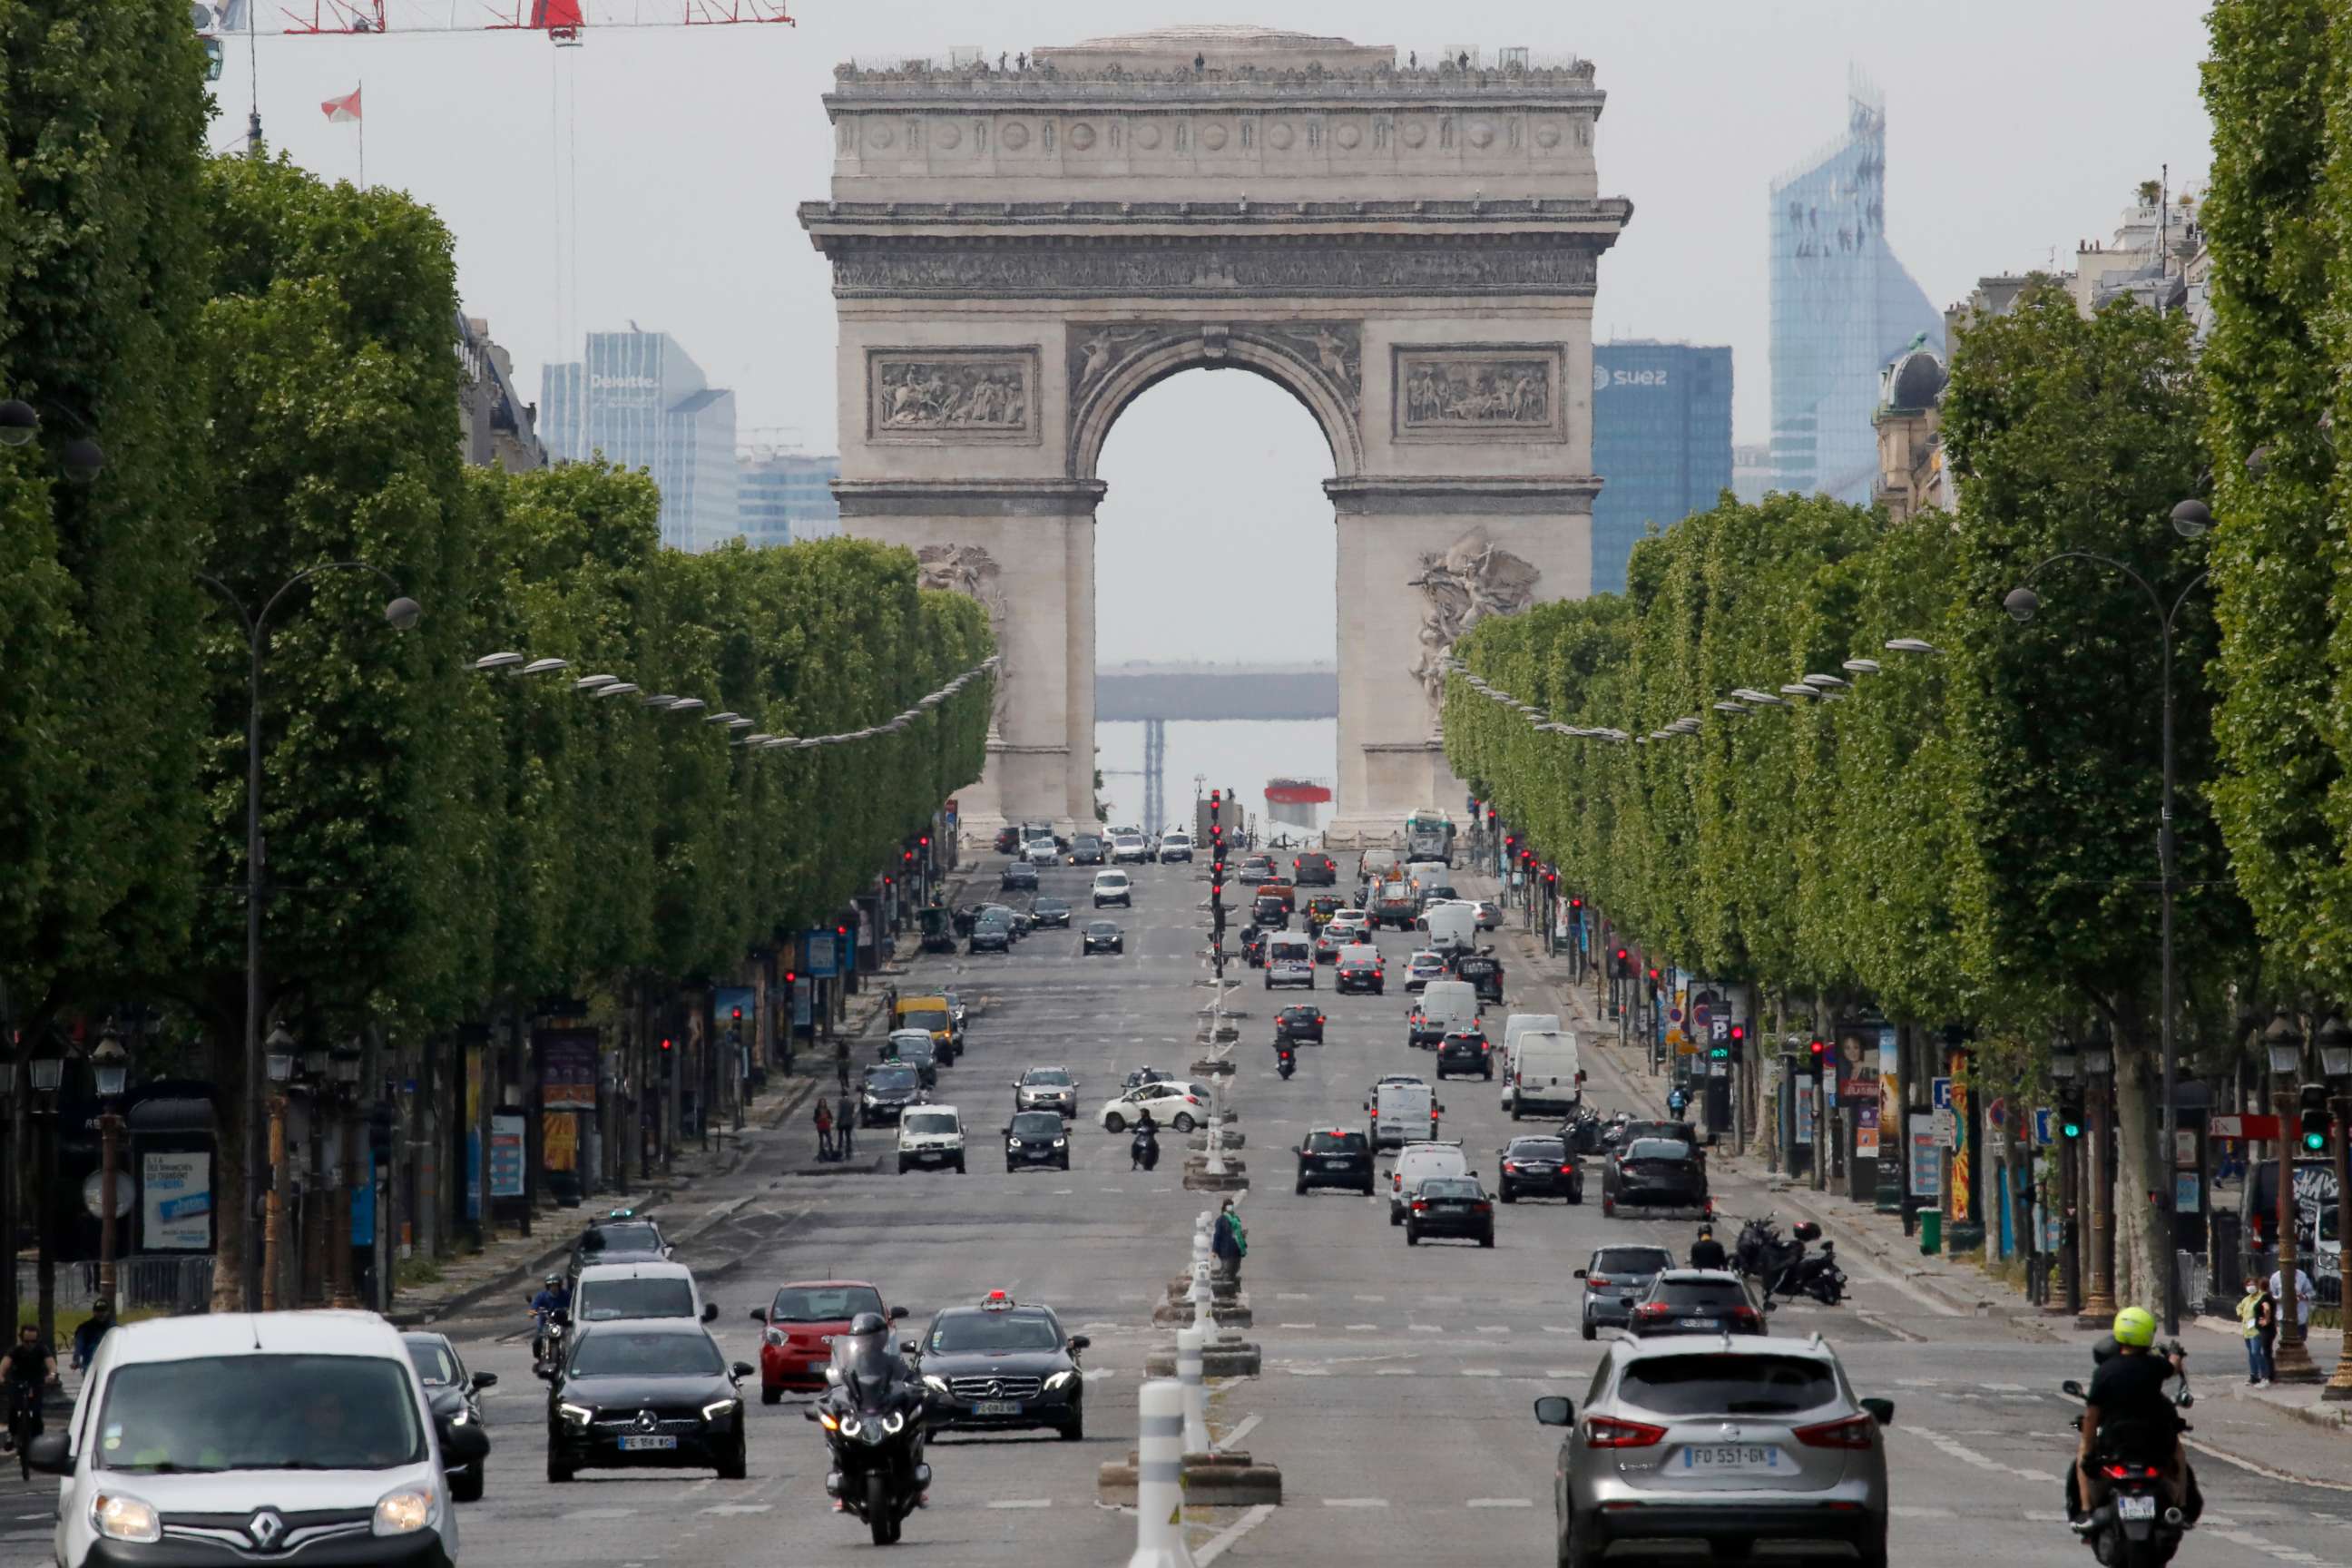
801,1322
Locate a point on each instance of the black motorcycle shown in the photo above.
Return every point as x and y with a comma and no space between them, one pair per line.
2135,1526
873,1413
1143,1150
1779,1265
1285,1061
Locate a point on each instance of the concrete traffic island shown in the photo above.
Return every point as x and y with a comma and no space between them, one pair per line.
1227,1355
1232,1480
1227,1138
1200,1178
1209,1477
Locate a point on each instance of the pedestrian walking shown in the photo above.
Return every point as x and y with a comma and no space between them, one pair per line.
1230,1244
823,1128
844,1123
2258,1321
2303,1293
841,1064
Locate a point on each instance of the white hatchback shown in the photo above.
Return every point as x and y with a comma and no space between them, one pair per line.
930,1137
1111,887
1182,1106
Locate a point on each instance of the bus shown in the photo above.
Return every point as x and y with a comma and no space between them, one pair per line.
1429,835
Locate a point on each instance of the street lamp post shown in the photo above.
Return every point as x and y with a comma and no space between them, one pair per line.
111,1066
2065,1064
48,1076
343,1095
279,1070
2336,1060
400,612
2291,1362
2189,519
2098,1060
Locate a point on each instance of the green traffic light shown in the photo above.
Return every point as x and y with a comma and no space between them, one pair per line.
2314,1141
2073,1130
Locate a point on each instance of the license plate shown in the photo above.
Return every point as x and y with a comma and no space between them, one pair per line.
997,1407
1339,1164
1700,1323
647,1444
1723,1456
2131,1507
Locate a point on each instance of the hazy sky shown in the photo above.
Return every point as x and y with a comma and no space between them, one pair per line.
2013,126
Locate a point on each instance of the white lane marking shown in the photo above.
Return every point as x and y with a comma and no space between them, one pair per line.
1899,1512
1309,1371
1214,1547
1498,1502
2004,1387
1293,1325
1065,1192
1023,1502
1397,1372
1494,1328
739,1508
1482,1372
1372,1298
1097,1374
1967,1456
1561,1329
1424,1329
1242,1430
1362,1328
1293,1295
1355,1503
601,1513
1918,1383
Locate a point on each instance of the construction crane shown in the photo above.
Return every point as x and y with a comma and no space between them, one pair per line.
564,22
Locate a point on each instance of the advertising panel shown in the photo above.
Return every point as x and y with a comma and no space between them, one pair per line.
567,1070
175,1200
505,1154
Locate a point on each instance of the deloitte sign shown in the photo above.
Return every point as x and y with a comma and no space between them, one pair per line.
1604,378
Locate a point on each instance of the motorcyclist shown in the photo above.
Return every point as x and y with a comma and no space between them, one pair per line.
1144,1150
1286,1056
867,1367
1706,1252
554,1297
2129,1414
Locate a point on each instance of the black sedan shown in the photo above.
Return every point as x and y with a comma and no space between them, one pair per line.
1088,850
1036,1138
619,1238
1696,1301
914,1048
1538,1167
1615,1278
452,1391
1054,912
1463,1052
991,934
886,1091
651,1391
1102,936
1301,1023
1335,1159
1655,1173
1003,1366
1019,875
1358,972
1450,1206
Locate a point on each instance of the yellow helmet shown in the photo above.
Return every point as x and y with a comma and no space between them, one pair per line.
2136,1326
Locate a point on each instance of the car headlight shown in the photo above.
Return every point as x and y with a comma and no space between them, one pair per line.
1060,1142
716,1408
937,1384
1011,1144
578,1415
406,1512
120,1518
775,1337
1060,1378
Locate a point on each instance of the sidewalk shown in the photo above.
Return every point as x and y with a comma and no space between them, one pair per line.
1950,1285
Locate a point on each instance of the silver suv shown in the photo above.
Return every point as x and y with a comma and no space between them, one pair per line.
1719,1440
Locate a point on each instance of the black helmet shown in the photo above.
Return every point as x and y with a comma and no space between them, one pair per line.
869,1323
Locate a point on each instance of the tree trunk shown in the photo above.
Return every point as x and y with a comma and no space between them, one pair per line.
2138,1235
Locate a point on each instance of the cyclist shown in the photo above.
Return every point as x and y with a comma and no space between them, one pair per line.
28,1368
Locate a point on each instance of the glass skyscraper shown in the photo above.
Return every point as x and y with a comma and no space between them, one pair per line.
786,497
1661,443
1843,307
639,399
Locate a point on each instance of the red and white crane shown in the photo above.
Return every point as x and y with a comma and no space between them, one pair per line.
563,21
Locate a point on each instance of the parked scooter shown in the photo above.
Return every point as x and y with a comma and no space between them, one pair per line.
1780,1268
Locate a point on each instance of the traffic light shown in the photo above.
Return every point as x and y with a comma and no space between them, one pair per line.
738,1014
1819,1050
2315,1120
2070,1117
889,881
1738,1041
1621,966
1576,900
1654,974
1510,843
667,1045
1718,1053
926,841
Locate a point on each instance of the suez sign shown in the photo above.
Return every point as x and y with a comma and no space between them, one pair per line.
1604,378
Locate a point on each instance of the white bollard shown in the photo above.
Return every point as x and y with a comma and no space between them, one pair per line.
1191,1346
1216,1165
1159,1477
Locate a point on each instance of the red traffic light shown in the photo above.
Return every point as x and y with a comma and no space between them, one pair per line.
1738,1033
666,1043
739,1015
841,930
1819,1046
1490,814
890,881
791,978
1653,973
1576,901
907,857
1622,955
926,841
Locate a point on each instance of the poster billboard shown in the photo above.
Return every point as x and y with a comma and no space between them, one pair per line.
175,1200
1926,1158
505,1154
567,1070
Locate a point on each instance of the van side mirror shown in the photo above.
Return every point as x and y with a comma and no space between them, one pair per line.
710,1311
462,1443
895,1314
46,1453
486,1380
1555,1410
1881,1411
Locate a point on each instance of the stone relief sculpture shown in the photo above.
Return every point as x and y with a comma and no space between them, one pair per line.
960,396
972,571
1464,583
1466,392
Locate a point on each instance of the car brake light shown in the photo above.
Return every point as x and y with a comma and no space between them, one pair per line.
1418,1206
1745,1315
1567,1170
1482,1208
1607,1432
1591,1279
1650,1309
1851,1432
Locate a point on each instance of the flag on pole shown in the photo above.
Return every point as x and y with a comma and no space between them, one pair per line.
340,110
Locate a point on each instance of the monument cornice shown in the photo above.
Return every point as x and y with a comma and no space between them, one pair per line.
1463,495
1595,214
969,498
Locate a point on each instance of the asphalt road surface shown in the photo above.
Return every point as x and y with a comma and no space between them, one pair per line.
1397,1385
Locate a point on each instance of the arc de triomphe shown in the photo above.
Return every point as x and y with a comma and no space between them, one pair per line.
1409,248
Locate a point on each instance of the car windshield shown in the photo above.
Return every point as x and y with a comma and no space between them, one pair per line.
435,1367
1053,906
1036,1124
1733,1385
1657,1149
1046,1077
618,1353
1539,1148
603,1300
891,1078
930,1121
1719,1293
932,1020
621,1238
1103,928
1637,1260
994,1332
913,1048
823,1303
1335,1142
260,1412
1449,1187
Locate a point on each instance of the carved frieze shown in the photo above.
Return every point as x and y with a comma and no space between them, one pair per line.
1273,266
1480,392
951,396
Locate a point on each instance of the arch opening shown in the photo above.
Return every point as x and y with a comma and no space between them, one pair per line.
1214,546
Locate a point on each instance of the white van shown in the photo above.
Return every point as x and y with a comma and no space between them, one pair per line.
1376,865
1451,925
609,1293
1415,1163
930,1136
1289,960
283,1432
1516,1025
1111,887
1547,1075
1401,1113
1446,1005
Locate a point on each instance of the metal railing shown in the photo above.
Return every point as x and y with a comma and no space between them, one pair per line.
162,1282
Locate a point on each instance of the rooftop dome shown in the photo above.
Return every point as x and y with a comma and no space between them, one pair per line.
1915,380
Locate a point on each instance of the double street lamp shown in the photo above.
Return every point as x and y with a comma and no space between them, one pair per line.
400,612
110,1064
2191,519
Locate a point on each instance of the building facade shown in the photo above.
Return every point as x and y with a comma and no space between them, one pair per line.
1842,309
639,399
786,497
1661,443
495,427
